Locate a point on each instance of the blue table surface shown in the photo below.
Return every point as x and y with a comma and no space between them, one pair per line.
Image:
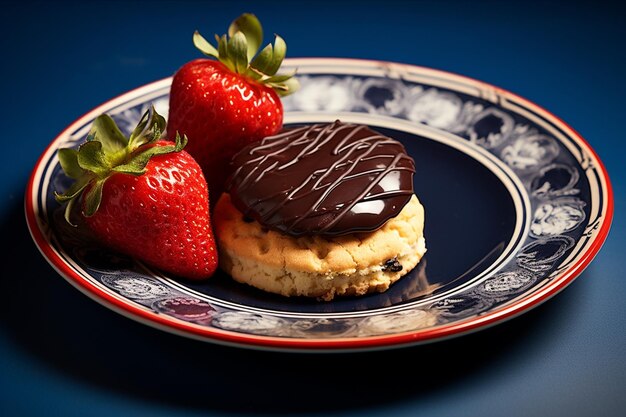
62,354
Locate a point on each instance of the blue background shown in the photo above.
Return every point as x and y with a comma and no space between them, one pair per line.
62,354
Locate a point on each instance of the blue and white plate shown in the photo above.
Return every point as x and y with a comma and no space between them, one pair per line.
517,205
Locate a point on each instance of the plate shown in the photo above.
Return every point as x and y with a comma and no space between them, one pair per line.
517,205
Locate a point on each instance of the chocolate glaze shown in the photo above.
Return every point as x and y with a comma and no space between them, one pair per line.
323,179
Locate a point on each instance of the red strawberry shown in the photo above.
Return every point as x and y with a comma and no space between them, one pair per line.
143,196
223,105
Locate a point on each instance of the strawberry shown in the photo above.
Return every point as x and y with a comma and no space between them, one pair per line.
142,196
222,105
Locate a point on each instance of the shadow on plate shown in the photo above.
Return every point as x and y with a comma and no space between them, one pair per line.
71,334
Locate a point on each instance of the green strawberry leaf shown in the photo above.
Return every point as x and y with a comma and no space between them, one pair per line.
106,132
68,158
68,211
262,61
137,164
286,87
70,196
280,78
91,157
249,25
237,51
74,190
93,197
280,50
222,47
148,130
204,46
180,143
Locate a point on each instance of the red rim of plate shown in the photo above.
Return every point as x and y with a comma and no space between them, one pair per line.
339,344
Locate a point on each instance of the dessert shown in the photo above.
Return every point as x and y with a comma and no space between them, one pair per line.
320,211
225,103
141,196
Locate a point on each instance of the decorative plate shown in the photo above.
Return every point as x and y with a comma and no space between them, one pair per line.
517,205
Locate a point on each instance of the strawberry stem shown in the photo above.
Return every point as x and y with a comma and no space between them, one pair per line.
238,52
107,151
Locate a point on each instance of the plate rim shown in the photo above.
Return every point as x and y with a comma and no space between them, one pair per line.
419,336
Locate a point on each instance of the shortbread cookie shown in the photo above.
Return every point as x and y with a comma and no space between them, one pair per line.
318,266
319,211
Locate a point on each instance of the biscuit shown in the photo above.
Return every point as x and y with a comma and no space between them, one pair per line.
319,266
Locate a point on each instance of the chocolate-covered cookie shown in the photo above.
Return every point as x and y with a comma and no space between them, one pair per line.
323,179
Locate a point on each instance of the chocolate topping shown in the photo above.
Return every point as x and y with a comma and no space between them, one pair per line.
324,179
